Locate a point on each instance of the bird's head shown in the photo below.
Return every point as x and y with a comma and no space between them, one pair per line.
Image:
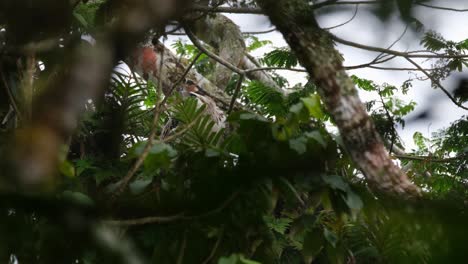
192,89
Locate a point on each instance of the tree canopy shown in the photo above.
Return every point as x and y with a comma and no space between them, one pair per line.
121,148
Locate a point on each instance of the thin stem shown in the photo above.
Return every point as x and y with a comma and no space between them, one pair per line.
347,21
215,247
180,259
10,95
429,158
236,92
145,220
435,81
394,52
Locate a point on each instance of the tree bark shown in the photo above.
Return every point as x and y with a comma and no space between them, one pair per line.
225,36
315,50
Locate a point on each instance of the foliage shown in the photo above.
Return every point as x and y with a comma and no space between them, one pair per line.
275,186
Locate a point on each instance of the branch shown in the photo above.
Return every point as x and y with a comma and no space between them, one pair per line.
236,92
430,158
275,68
259,32
210,54
180,258
315,50
394,52
437,83
347,21
177,217
215,247
330,3
232,10
10,95
443,8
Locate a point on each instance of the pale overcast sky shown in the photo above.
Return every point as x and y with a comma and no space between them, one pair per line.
367,29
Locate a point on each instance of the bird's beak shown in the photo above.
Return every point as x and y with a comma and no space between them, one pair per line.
201,91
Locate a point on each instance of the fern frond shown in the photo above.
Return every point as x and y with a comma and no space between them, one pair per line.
280,58
265,97
199,126
433,41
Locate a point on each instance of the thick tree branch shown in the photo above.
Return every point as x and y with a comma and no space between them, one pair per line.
210,54
315,50
226,39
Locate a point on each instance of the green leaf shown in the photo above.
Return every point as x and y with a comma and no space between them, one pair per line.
102,175
317,136
313,244
433,41
212,153
80,19
282,57
287,188
267,98
298,144
160,156
83,165
353,200
67,169
335,182
330,236
139,186
419,140
313,105
252,116
78,197
255,43
236,259
279,225
366,85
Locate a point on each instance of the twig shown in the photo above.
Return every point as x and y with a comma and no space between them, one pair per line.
329,3
275,68
394,52
216,210
180,258
347,21
233,10
145,220
429,158
215,247
443,8
182,131
10,95
28,85
437,83
390,117
177,217
259,32
120,246
236,92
